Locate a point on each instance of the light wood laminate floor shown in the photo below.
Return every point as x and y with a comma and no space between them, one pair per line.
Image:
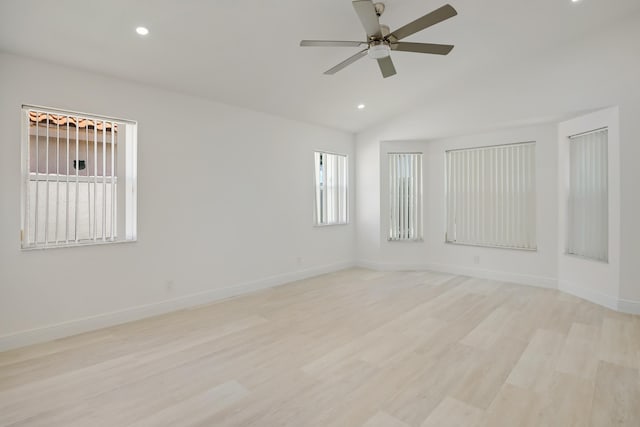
353,348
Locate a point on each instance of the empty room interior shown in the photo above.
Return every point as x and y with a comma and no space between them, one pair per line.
405,213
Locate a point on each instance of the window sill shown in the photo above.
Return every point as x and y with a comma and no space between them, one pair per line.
586,258
491,246
330,225
76,245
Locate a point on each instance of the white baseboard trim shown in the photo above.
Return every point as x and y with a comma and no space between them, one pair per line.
86,324
629,306
613,303
522,279
589,295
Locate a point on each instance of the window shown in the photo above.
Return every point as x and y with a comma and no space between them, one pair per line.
79,179
405,194
491,196
331,188
588,213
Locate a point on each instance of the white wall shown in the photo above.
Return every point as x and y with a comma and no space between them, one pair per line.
629,192
243,221
539,267
591,279
213,248
545,87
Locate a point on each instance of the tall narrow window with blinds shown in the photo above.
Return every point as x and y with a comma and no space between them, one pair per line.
588,210
405,196
491,196
79,179
331,185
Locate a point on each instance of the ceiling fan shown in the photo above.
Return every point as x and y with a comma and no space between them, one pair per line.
380,41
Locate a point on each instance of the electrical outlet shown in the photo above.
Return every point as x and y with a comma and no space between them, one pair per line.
299,260
169,285
476,259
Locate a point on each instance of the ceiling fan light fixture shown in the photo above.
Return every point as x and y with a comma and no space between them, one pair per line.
380,39
379,51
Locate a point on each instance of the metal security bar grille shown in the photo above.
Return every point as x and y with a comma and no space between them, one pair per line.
588,224
405,194
72,186
331,178
491,196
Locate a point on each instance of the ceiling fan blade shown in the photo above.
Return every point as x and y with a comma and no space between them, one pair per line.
367,13
445,12
386,66
347,61
330,43
435,49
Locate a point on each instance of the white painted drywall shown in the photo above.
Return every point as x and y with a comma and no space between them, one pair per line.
592,279
225,205
539,267
630,189
524,99
245,186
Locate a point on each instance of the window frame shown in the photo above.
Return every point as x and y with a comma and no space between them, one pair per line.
419,195
129,150
568,210
449,241
316,183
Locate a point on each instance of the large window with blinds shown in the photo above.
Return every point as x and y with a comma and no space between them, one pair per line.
405,196
588,204
78,179
491,196
331,187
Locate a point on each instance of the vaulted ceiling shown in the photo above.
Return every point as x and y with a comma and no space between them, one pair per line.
246,53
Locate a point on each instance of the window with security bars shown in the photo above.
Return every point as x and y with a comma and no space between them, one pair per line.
79,179
491,196
588,210
331,185
405,196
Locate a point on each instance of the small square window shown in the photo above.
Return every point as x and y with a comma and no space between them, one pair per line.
79,179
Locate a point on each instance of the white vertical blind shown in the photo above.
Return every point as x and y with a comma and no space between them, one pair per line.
491,196
405,196
588,210
331,185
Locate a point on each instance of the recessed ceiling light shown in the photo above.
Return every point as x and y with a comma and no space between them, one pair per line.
575,1
143,31
361,106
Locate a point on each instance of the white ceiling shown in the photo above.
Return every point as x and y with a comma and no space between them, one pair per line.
246,53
